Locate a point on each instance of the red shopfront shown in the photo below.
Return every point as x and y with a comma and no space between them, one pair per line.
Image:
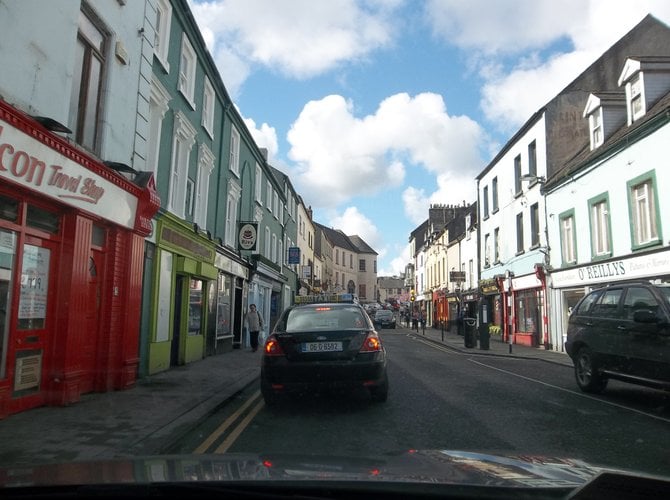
71,259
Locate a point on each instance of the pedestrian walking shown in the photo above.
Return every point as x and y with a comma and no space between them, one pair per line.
254,322
415,320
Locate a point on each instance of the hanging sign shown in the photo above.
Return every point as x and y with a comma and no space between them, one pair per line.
247,236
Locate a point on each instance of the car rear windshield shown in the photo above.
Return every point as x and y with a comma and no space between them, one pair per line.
324,318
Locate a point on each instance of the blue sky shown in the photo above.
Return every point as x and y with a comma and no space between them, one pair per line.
378,108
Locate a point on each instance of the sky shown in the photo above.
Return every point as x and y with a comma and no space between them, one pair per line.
377,109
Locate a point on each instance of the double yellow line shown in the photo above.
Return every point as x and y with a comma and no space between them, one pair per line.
236,431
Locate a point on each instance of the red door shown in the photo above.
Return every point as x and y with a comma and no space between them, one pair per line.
34,304
89,346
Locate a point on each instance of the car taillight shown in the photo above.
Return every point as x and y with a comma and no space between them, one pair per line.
272,347
371,343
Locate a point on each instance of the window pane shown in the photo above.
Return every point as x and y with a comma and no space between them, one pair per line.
91,109
9,209
42,219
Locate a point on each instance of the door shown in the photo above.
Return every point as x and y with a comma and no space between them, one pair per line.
175,348
34,311
646,346
606,337
89,344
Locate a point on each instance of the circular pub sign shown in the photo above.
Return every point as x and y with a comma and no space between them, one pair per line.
248,236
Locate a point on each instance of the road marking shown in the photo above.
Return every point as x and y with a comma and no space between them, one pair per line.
581,394
227,423
228,442
446,349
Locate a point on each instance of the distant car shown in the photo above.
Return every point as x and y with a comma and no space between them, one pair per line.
323,345
621,332
384,318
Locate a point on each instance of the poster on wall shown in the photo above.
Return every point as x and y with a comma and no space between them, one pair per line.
34,283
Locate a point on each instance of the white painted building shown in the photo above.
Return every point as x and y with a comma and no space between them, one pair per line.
607,212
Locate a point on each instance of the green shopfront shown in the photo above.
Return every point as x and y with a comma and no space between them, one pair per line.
184,276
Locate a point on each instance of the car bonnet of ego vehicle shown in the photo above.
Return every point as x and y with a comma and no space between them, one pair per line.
323,342
621,331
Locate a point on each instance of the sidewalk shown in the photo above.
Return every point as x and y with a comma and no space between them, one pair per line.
496,347
142,420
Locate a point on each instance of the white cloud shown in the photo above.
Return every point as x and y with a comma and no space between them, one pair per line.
298,38
511,95
264,137
340,156
353,222
397,264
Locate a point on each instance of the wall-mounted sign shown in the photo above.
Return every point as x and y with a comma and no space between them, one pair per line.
457,276
294,255
248,236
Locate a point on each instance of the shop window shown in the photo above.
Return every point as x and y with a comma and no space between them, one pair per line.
527,313
7,259
85,98
195,307
34,288
9,209
224,309
98,236
43,220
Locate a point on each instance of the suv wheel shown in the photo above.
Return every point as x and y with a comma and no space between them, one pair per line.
586,372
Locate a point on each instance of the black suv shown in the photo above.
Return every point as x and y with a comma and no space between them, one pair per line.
621,332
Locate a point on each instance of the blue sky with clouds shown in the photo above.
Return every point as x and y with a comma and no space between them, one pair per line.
378,108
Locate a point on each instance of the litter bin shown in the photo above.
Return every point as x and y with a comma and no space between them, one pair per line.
470,334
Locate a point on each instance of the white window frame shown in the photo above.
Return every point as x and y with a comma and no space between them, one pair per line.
234,158
187,67
232,203
645,225
600,239
274,248
159,99
259,184
596,128
162,38
280,253
275,204
208,107
182,142
205,168
268,243
189,198
568,253
636,97
268,196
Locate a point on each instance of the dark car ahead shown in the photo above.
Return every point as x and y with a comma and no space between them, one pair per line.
384,318
323,345
621,332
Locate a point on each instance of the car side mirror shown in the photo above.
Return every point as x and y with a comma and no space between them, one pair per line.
644,316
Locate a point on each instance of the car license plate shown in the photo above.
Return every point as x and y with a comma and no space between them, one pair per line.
322,346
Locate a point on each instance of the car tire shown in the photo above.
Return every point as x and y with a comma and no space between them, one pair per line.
380,393
586,372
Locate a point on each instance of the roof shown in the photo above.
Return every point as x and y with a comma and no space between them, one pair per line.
362,246
624,136
337,238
